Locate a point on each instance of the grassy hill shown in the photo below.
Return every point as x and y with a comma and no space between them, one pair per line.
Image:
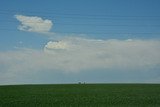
80,95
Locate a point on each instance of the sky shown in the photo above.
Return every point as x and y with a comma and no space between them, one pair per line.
71,41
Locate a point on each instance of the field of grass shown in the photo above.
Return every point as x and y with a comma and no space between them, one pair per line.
80,95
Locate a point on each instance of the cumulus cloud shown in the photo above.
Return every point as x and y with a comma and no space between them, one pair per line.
56,45
34,24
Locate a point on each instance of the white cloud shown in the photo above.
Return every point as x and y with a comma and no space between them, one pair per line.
56,45
79,54
108,54
76,54
34,24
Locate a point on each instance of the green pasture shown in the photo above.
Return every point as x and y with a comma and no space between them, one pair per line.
80,95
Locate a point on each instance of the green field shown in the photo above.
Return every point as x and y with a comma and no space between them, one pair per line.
80,95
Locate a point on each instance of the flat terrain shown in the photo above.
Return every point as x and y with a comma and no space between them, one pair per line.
80,95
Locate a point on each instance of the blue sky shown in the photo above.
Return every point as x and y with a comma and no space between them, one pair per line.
58,41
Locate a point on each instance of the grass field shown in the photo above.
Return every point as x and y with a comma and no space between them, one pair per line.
80,95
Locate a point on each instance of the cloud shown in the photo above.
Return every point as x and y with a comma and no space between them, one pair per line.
74,55
56,45
34,24
107,54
